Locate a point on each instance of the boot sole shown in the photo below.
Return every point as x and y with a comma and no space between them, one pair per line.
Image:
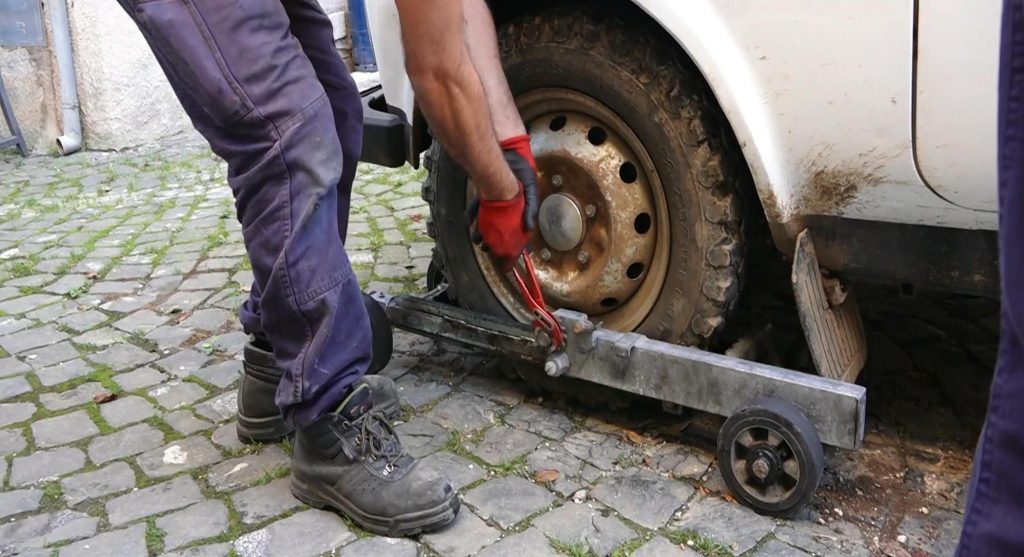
400,526
272,429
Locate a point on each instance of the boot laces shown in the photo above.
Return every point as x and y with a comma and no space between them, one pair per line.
377,440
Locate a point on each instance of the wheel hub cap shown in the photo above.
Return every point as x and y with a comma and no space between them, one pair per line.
561,222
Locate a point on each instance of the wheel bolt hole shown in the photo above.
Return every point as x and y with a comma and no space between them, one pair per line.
635,270
609,302
597,135
557,123
642,223
628,172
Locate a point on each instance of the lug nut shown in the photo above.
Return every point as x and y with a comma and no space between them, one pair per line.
545,254
590,210
556,180
583,257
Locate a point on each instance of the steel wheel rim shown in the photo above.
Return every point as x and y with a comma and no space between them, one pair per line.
609,179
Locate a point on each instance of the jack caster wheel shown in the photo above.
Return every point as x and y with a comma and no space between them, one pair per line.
770,456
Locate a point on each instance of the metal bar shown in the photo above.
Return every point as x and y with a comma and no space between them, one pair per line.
707,381
12,122
447,322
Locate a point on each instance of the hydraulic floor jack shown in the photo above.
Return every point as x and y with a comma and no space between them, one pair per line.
770,446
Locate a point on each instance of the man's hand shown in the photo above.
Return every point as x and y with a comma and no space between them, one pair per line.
503,227
519,157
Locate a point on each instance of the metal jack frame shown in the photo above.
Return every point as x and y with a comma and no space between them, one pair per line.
769,448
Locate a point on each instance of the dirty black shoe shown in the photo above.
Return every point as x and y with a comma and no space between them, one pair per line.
352,461
259,420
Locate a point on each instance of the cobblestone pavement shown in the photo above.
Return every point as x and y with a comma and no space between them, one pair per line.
121,274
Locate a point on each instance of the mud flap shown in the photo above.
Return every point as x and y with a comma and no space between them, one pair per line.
831,320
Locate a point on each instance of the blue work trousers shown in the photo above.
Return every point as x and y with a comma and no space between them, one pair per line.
262,82
994,519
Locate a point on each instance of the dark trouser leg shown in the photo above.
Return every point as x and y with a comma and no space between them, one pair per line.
311,27
251,91
995,502
315,33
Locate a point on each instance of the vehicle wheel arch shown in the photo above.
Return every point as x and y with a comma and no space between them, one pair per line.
753,187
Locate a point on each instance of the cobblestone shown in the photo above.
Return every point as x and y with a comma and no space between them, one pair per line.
122,356
210,550
460,471
126,410
464,412
247,470
43,466
34,532
52,354
186,422
259,503
381,547
19,501
464,537
660,547
12,366
178,456
114,478
643,497
15,412
202,520
128,542
130,441
70,398
504,444
532,542
13,386
508,500
220,408
176,394
303,534
63,429
11,441
735,527
573,523
64,371
174,494
139,378
31,338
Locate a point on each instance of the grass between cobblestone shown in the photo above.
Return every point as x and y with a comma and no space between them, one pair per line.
154,537
703,544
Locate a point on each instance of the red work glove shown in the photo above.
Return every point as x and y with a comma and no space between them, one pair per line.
504,226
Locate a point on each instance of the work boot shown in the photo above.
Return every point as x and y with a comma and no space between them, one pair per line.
351,460
259,419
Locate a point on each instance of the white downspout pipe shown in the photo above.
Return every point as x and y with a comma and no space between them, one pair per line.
71,140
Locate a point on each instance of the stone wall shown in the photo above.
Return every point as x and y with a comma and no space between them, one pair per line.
124,96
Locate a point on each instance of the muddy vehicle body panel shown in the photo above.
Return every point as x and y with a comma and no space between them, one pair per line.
852,118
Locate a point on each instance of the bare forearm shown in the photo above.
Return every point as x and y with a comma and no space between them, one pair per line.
450,94
482,43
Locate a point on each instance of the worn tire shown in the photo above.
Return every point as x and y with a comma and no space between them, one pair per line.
628,67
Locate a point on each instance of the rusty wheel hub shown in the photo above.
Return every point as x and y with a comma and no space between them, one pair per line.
601,245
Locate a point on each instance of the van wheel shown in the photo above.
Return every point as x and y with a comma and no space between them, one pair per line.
640,222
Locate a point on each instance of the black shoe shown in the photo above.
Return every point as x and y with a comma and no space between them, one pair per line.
352,461
260,421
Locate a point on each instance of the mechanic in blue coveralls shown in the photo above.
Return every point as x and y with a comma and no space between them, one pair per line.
262,82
